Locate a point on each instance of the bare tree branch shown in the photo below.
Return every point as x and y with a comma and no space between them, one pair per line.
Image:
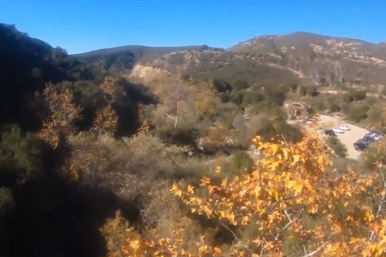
381,202
289,223
230,230
317,250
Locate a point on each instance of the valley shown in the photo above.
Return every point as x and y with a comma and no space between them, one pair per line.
197,150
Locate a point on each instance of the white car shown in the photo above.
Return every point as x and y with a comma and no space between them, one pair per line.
344,127
338,130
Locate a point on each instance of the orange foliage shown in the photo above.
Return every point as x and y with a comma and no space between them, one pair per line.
289,186
63,114
165,247
144,129
106,120
109,87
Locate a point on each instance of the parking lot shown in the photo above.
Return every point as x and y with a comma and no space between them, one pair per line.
348,138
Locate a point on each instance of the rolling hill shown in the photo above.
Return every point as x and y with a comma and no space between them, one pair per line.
299,57
323,59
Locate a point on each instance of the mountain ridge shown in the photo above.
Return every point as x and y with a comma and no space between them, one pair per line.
137,47
311,58
299,57
295,33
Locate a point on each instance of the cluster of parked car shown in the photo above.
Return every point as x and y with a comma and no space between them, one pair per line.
341,129
371,137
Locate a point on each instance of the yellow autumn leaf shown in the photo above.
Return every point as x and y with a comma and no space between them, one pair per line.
205,181
135,244
190,189
217,250
274,148
276,195
312,208
273,193
297,187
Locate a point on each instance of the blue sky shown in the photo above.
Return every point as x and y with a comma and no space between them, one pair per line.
84,25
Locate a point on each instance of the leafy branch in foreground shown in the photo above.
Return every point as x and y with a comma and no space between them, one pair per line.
289,187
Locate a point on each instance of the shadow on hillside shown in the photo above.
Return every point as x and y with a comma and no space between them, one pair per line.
55,217
58,219
128,110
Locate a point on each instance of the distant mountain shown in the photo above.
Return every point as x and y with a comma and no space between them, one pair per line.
300,57
140,51
202,62
124,58
213,63
323,59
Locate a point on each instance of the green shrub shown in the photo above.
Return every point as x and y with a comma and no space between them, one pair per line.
19,154
242,161
334,107
335,144
181,135
358,113
303,90
312,91
6,199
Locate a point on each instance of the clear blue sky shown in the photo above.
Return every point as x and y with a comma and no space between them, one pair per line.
84,25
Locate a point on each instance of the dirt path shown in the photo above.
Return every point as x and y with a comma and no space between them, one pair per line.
348,138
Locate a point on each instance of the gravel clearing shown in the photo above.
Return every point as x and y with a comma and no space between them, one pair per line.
348,138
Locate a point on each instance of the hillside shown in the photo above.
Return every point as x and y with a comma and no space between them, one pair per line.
30,63
123,58
93,148
201,62
298,57
323,59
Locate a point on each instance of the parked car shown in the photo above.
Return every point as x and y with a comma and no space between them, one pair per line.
344,127
375,132
361,145
338,130
368,139
374,135
329,132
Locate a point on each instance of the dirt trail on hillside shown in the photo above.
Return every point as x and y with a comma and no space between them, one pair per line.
348,138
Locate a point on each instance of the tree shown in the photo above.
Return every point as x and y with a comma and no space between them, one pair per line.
19,153
339,148
303,90
375,155
106,120
334,107
177,104
63,114
239,123
358,112
114,232
295,203
112,90
290,186
294,87
312,91
204,101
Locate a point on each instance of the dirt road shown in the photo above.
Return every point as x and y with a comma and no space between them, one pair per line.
348,138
